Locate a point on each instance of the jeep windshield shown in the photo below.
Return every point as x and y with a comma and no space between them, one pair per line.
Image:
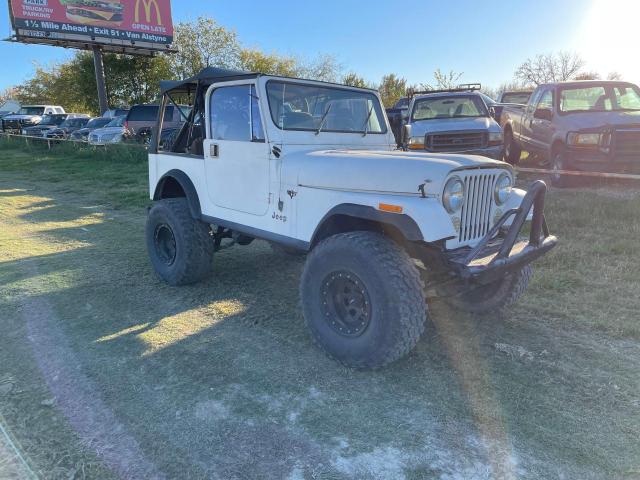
31,111
314,108
458,106
600,98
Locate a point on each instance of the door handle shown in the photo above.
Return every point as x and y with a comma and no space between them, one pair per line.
214,150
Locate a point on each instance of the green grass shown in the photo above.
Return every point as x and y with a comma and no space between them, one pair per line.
220,379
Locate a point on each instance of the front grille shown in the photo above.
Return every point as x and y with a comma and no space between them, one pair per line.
476,215
449,142
12,125
627,142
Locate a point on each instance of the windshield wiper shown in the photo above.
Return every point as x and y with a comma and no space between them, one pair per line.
324,117
365,126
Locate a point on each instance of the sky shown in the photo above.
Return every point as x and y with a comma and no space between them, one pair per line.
485,40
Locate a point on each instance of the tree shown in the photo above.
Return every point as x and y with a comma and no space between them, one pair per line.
7,94
324,68
587,76
392,88
552,67
446,80
202,44
614,76
271,63
72,84
354,80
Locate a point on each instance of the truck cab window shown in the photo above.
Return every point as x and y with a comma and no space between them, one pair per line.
546,101
235,114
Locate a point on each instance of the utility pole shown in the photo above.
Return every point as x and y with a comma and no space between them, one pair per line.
100,80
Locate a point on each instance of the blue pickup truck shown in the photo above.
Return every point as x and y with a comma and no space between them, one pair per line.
451,121
589,126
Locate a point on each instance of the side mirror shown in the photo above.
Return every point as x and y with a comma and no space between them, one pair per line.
543,114
492,112
406,135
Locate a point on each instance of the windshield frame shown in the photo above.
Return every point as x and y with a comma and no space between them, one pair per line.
384,129
484,109
608,88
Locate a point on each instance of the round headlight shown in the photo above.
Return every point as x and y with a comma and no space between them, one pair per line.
453,195
503,189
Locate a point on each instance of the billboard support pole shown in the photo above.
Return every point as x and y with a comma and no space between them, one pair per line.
100,80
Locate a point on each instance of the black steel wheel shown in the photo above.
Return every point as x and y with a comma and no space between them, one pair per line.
164,242
346,303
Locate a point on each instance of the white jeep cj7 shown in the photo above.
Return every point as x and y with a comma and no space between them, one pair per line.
312,167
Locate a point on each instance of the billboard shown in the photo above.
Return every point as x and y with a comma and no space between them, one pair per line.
127,26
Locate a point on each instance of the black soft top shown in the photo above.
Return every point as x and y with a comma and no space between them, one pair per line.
205,77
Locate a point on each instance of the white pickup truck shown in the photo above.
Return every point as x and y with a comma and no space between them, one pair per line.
312,167
28,116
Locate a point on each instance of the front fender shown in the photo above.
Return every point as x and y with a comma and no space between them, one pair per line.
421,219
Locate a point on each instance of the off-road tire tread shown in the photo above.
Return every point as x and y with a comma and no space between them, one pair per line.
198,242
406,280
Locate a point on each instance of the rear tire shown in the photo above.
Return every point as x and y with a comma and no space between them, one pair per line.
512,150
180,247
363,299
494,296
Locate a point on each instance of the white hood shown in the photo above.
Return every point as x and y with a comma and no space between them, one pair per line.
395,172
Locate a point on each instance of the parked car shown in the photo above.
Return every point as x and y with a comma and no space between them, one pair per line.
72,123
520,97
589,126
141,119
311,167
92,124
452,121
114,132
48,122
28,116
115,112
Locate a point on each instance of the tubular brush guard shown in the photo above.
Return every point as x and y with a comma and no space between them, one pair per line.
493,256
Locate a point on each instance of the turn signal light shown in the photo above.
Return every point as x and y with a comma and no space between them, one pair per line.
386,207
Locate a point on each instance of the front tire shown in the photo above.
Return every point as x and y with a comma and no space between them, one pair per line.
180,247
363,299
495,296
512,151
558,163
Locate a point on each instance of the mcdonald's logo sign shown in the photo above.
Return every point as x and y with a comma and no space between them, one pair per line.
150,7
